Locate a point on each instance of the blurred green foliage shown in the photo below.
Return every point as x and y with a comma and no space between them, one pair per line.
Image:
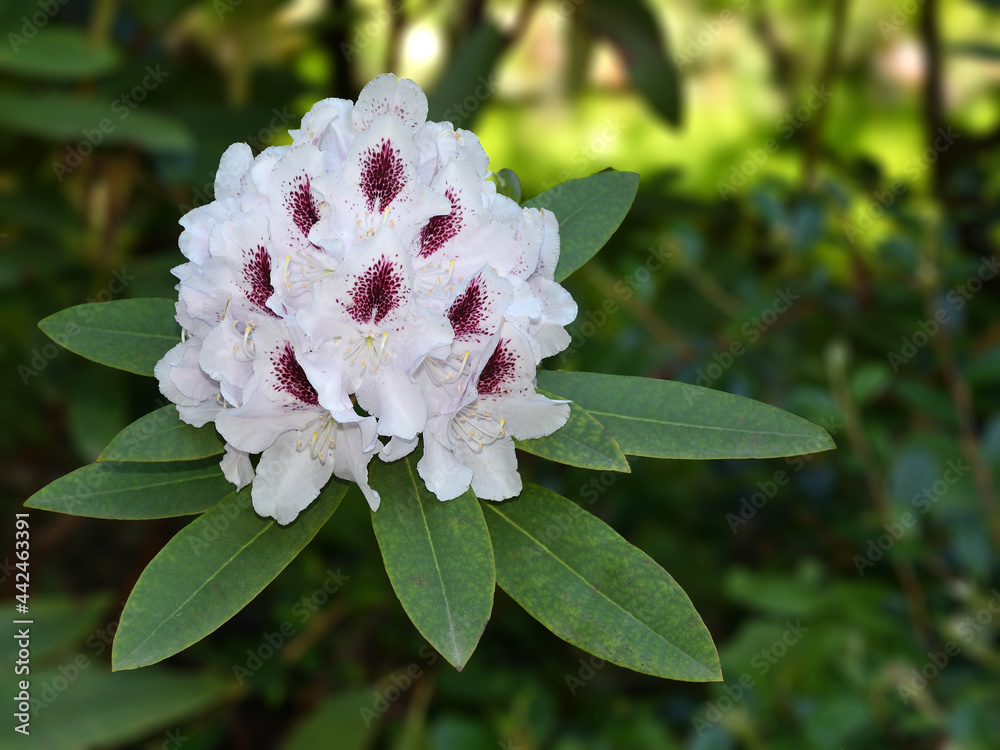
815,228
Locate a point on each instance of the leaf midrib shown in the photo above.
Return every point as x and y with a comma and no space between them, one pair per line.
702,427
456,652
208,580
210,474
129,332
129,443
601,593
583,205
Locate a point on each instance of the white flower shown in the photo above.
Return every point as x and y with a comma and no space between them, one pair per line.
373,336
301,442
366,280
472,444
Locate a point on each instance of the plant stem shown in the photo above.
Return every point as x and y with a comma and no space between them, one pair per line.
642,312
827,75
836,366
961,394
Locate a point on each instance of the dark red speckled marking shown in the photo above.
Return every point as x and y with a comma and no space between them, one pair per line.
257,274
377,292
467,312
441,229
382,176
291,377
301,205
499,370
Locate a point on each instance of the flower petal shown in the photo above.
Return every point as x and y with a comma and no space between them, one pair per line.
558,310
441,144
529,416
403,99
378,185
288,479
233,177
356,443
441,471
397,448
494,469
236,467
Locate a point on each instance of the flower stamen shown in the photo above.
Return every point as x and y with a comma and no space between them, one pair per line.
477,429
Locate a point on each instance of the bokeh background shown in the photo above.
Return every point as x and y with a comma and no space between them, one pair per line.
816,227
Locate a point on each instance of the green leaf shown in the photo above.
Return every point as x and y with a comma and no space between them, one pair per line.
466,83
634,30
162,436
582,441
666,419
589,210
342,716
581,580
438,557
987,52
134,490
208,572
64,118
58,52
130,334
61,623
100,709
508,183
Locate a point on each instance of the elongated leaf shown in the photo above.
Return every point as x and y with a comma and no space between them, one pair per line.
60,52
134,491
208,572
633,29
987,52
467,82
438,557
582,441
100,709
589,210
162,436
71,119
586,584
665,419
61,623
130,334
347,716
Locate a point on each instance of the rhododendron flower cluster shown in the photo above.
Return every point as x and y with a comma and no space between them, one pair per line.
356,289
